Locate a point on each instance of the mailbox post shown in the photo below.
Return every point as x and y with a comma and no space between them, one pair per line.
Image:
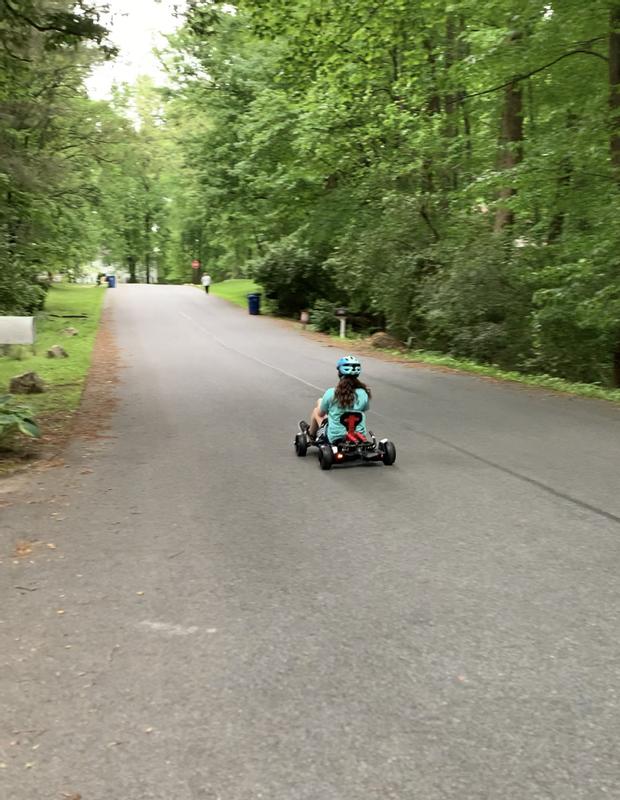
341,313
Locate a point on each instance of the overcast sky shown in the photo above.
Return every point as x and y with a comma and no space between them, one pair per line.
137,26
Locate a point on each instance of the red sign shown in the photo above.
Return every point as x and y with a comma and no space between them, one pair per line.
195,264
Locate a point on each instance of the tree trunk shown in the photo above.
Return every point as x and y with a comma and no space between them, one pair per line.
147,250
512,150
131,266
556,226
453,98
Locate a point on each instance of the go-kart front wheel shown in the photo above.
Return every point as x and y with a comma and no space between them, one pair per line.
326,456
301,444
389,452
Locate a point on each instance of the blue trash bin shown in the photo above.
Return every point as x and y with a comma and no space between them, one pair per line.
111,279
254,303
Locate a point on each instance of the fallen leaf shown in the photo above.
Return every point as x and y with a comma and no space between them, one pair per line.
22,549
51,545
60,611
140,594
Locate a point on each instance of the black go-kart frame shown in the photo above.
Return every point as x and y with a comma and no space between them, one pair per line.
353,447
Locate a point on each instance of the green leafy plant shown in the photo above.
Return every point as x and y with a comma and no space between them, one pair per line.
323,317
15,418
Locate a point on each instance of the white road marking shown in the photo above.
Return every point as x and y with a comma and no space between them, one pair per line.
169,628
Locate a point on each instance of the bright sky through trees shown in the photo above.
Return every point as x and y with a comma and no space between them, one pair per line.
137,26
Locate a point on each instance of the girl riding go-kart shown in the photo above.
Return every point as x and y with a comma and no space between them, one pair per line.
338,423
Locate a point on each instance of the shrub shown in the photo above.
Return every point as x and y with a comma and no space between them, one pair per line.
15,418
291,275
323,318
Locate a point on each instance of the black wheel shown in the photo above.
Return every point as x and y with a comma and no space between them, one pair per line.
326,456
301,444
389,453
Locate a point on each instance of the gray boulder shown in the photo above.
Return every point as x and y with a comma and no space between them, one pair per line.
28,383
384,341
57,352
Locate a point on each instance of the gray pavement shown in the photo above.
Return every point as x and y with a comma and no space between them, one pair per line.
237,624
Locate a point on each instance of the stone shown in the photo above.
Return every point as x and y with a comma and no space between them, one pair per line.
71,332
384,341
57,352
28,383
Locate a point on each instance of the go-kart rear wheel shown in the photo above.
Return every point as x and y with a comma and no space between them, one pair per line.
301,444
389,453
326,456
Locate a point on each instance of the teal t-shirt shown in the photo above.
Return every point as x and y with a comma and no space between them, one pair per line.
335,428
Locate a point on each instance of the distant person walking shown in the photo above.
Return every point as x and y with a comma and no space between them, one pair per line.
206,282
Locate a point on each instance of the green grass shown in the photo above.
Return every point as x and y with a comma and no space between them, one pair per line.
236,291
489,371
541,381
64,377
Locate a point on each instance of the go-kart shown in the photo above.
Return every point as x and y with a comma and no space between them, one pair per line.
354,446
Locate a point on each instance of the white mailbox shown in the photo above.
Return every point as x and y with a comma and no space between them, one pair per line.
17,330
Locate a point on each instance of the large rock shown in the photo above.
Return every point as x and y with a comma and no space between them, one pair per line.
57,352
384,341
28,383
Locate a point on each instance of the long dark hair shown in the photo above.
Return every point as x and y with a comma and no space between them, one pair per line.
345,390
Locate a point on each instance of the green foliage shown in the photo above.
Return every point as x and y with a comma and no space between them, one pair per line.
15,418
449,172
323,318
445,171
63,377
52,138
291,275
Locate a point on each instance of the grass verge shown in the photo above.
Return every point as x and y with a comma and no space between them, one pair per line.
64,377
236,290
540,381
488,371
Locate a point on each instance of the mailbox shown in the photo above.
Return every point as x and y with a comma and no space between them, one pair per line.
17,330
341,312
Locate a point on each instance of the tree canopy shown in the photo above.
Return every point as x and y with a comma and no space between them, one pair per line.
447,171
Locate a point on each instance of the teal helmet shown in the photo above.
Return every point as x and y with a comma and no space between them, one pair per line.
348,366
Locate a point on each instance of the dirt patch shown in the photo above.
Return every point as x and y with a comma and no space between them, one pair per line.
361,346
99,399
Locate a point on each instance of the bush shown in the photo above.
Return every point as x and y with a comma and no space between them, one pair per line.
576,320
478,306
323,318
291,276
15,418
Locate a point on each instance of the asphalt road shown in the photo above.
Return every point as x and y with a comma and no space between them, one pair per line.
237,624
